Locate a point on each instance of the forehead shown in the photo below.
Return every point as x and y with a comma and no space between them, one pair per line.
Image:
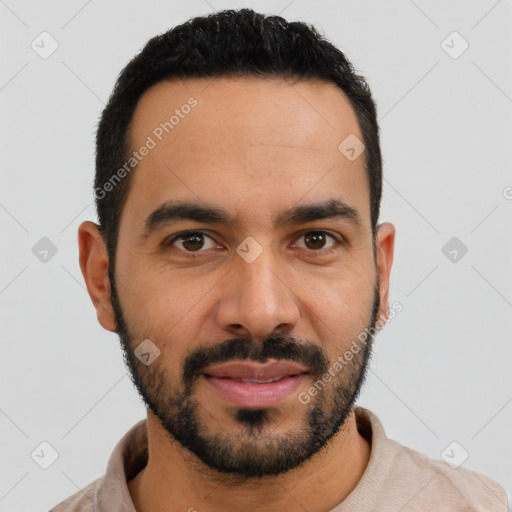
245,141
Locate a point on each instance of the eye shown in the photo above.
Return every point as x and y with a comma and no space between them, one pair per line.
316,241
191,241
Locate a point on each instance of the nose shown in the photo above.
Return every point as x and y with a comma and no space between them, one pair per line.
258,299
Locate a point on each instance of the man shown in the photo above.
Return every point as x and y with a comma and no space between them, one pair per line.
238,257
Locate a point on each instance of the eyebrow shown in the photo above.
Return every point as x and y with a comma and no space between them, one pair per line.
172,212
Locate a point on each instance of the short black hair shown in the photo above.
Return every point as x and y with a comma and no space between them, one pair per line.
224,44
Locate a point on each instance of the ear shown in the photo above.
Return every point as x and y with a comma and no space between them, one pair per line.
385,251
94,266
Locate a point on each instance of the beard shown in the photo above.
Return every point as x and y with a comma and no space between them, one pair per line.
254,449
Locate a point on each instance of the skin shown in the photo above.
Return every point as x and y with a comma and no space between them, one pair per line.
254,147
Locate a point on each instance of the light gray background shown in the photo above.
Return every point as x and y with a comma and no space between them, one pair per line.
441,370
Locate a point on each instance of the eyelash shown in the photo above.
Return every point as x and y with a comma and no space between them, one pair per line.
168,242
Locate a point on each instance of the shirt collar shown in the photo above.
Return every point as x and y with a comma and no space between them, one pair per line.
130,456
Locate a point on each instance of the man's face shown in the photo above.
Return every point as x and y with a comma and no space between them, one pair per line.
266,296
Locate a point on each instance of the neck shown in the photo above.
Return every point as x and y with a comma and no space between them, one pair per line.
174,479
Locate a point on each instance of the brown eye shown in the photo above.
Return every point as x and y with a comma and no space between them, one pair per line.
316,240
192,241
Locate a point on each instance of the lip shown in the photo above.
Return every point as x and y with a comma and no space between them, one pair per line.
256,371
228,380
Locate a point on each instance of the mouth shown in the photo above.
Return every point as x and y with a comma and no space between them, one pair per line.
253,385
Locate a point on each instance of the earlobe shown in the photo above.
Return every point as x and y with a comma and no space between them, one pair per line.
385,252
94,265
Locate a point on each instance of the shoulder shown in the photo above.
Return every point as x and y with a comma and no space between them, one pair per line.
433,481
81,501
400,478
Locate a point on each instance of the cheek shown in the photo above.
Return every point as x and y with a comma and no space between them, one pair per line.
163,306
148,290
339,308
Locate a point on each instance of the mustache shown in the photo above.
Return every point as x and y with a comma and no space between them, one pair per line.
311,356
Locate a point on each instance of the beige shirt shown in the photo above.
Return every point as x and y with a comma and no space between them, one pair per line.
396,479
